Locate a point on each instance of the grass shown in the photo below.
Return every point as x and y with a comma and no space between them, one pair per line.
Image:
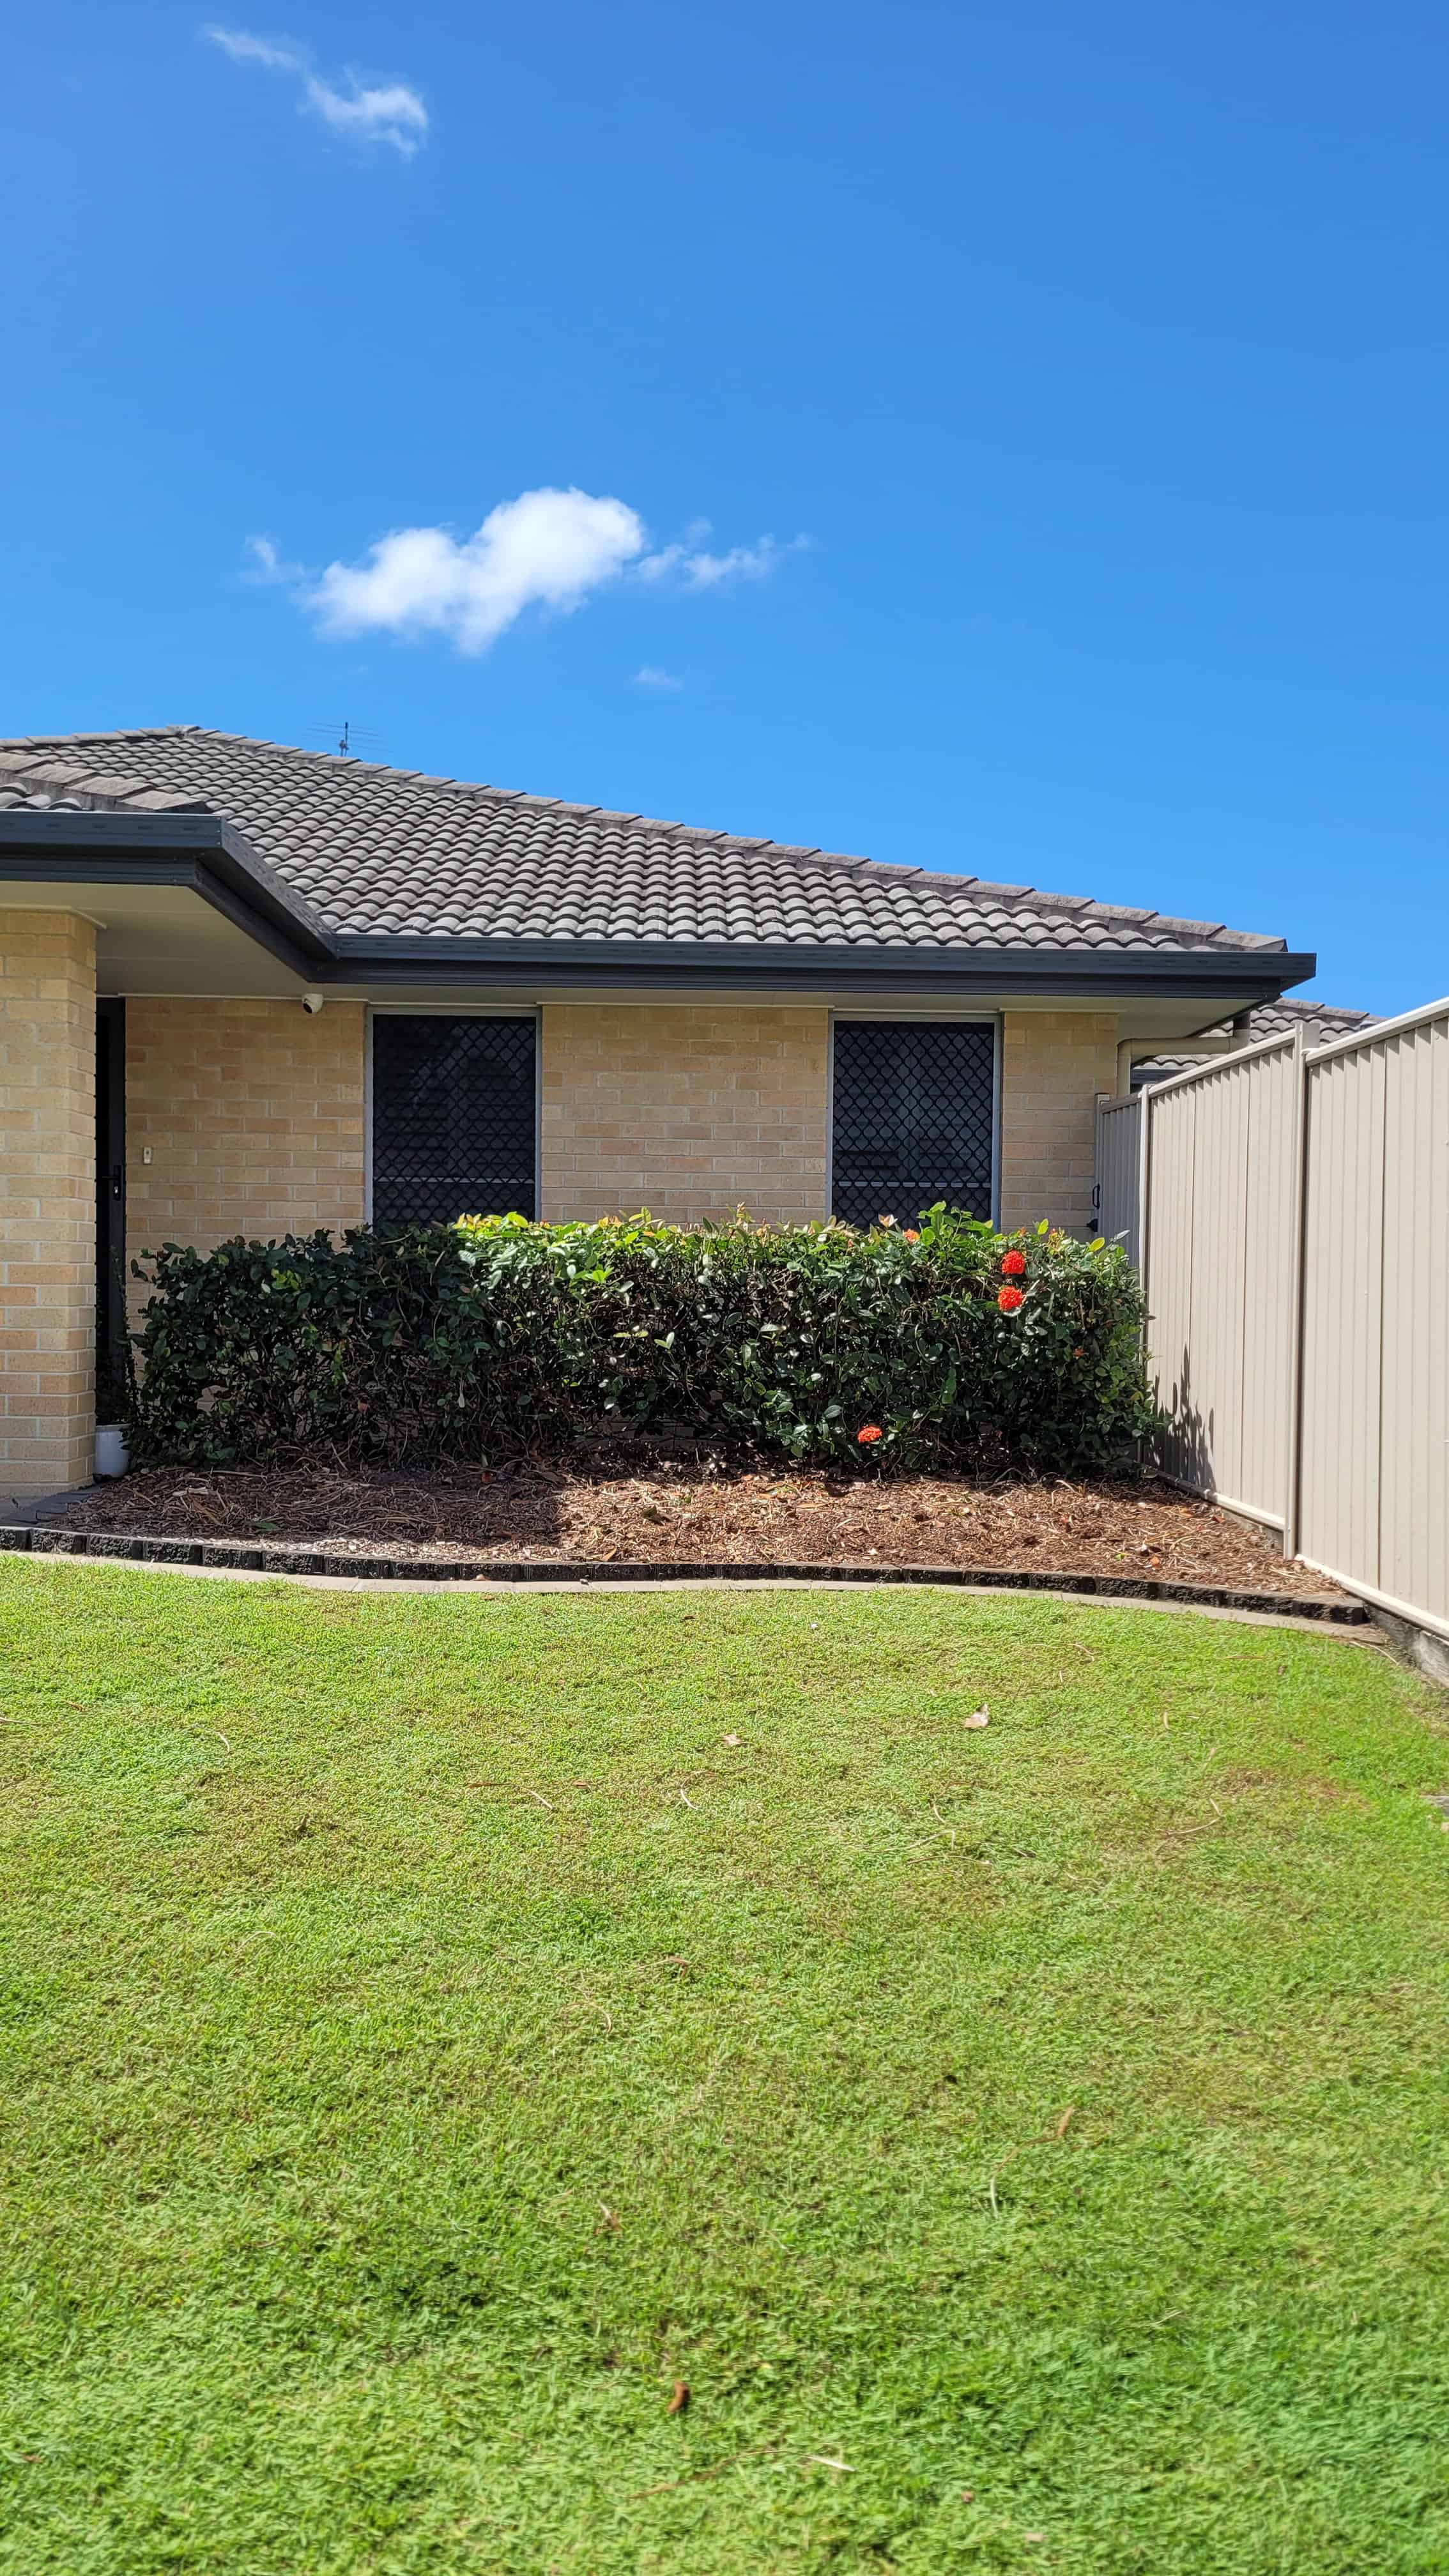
428,2039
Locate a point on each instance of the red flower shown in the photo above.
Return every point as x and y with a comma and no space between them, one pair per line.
1009,1300
1013,1265
872,1431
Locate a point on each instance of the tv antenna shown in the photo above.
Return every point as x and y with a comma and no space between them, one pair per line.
346,741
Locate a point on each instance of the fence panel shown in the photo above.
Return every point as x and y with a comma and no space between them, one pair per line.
1221,1255
1293,1238
1374,1435
1119,1156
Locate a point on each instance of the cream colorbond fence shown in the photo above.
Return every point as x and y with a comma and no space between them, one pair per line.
1288,1208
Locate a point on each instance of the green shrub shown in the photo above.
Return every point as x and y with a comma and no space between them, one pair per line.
494,1335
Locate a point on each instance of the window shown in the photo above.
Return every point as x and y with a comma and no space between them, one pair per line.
914,1118
453,1130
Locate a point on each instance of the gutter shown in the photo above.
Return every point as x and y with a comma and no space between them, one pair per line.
205,855
671,965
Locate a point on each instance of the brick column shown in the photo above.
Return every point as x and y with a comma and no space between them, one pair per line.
1053,1064
47,1201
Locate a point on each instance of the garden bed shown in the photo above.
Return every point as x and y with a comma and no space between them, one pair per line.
688,1510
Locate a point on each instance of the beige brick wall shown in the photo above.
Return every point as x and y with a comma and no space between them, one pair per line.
1053,1064
47,1200
688,1111
252,1113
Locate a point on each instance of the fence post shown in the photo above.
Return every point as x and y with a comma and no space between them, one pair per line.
1292,1481
1144,1184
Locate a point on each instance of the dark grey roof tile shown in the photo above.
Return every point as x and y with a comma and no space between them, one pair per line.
373,849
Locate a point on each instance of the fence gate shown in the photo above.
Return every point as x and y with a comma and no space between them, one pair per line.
1119,1149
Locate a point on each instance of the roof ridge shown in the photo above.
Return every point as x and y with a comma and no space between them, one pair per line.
117,733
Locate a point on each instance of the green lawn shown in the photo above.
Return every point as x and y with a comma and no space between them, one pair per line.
428,2039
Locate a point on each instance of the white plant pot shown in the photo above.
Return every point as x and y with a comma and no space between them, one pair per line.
112,1455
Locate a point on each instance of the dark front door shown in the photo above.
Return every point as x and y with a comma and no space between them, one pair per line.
110,1208
454,1114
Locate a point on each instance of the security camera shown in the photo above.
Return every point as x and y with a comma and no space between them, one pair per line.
313,1001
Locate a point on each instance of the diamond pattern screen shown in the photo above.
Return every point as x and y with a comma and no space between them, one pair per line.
914,1118
453,1124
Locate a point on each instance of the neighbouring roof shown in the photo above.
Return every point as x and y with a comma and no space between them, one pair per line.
377,851
1320,1020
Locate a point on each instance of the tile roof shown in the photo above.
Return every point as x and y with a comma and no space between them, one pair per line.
377,851
1265,1020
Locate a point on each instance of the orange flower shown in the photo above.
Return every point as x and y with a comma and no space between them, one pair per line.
1009,1300
1013,1265
910,1235
871,1431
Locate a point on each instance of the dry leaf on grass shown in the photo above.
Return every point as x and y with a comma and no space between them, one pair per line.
680,2398
979,1716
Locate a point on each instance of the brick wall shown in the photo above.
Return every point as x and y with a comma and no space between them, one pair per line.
1053,1064
687,1111
253,1112
253,1116
47,1200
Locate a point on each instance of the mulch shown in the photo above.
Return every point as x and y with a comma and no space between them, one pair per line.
699,1510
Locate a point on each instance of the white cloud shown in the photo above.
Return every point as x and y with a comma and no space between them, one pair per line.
547,548
256,49
702,571
267,564
651,677
394,114
389,113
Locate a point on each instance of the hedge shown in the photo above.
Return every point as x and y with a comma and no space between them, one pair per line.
942,1344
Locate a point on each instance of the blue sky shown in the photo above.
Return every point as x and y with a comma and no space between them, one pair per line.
1008,442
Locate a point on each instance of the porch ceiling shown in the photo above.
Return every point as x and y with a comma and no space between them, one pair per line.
161,939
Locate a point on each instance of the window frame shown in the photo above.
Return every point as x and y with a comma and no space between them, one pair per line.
936,1017
449,1011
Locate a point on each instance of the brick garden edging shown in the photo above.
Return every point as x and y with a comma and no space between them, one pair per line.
234,1557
